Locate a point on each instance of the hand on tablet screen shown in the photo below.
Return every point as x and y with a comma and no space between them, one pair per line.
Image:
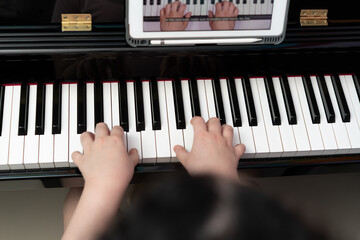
174,10
223,9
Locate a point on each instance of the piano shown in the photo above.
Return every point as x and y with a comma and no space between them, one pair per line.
296,105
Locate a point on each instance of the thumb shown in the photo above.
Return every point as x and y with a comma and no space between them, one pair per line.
134,156
188,15
211,14
239,150
76,157
181,154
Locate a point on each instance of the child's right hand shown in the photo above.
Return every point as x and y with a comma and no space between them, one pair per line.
212,151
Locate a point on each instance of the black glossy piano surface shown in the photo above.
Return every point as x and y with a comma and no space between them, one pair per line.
33,50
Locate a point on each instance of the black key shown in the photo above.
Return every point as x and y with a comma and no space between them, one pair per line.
123,106
356,79
273,105
40,109
98,102
249,102
202,2
56,118
219,105
2,96
155,109
151,2
310,96
81,107
179,104
24,109
340,97
234,103
329,110
194,98
289,104
139,106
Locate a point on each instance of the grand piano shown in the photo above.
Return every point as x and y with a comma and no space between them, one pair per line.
296,105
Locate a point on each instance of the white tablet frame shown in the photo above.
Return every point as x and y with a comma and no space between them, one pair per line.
136,24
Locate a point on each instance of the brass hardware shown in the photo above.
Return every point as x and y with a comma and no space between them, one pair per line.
313,17
76,22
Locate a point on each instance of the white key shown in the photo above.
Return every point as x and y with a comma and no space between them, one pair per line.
148,135
273,133
259,131
46,145
352,126
61,150
90,108
134,137
300,133
16,148
176,135
258,7
74,137
354,97
270,8
154,9
210,98
252,7
326,128
31,148
162,135
245,7
6,123
197,9
313,130
245,131
115,108
147,9
188,131
339,127
107,104
286,130
204,9
227,110
202,99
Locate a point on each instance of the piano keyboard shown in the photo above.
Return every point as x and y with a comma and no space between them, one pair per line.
259,9
277,116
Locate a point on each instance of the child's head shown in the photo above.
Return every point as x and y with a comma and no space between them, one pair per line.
205,208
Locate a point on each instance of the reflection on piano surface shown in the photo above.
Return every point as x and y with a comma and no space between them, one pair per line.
294,104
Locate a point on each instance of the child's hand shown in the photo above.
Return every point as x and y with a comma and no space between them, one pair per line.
174,10
223,9
105,161
212,151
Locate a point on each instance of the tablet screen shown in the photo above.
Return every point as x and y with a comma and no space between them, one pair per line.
206,15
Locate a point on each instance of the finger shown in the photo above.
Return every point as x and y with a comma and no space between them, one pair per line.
76,157
181,154
228,133
211,14
236,12
182,8
86,139
118,132
218,7
214,125
134,156
175,6
239,150
167,10
101,130
198,125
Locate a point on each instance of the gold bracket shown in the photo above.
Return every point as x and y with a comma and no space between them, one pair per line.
313,17
76,22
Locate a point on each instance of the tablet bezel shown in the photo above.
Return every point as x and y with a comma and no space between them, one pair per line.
136,25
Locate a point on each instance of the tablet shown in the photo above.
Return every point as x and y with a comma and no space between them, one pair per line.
195,22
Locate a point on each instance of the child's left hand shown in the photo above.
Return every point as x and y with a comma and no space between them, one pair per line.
105,162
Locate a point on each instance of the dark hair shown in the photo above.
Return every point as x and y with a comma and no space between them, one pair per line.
206,208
